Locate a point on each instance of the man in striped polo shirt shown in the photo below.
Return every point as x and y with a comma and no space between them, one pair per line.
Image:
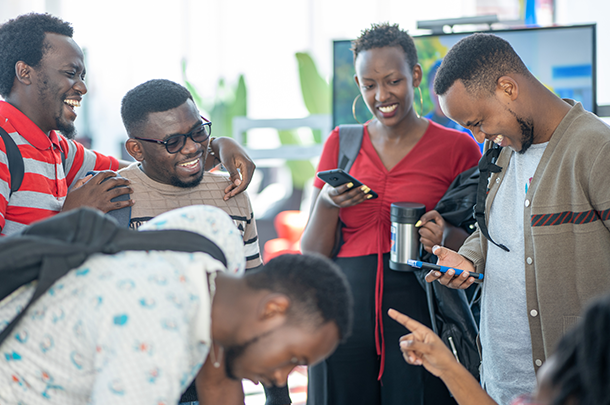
42,76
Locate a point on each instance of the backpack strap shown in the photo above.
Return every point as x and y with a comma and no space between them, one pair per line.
487,166
350,141
48,250
16,167
15,161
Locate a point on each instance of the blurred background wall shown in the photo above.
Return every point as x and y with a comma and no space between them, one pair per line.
130,41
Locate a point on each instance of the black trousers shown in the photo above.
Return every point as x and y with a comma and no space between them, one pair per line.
349,376
275,395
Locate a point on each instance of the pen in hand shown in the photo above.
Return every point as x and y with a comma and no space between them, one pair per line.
443,269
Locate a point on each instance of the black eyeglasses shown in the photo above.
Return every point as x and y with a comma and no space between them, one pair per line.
175,143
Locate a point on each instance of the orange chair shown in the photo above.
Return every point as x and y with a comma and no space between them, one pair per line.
289,226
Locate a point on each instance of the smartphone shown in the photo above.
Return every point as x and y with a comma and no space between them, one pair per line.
337,177
478,277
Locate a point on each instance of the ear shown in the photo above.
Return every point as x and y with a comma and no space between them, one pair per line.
274,307
23,72
134,148
417,75
507,88
357,81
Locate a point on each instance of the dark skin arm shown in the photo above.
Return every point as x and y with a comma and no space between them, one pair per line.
215,388
422,347
319,234
93,191
434,230
237,162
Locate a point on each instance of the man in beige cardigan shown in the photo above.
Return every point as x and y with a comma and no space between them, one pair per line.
549,208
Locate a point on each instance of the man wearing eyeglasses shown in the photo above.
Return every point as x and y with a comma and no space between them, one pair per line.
170,141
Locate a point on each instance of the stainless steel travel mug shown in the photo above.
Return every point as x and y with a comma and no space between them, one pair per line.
404,236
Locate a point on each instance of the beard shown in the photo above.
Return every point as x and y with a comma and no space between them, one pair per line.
63,125
175,181
527,134
232,353
527,131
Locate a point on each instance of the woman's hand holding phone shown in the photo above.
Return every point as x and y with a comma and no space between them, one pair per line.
343,190
343,196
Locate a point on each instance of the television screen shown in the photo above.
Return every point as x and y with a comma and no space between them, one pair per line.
563,58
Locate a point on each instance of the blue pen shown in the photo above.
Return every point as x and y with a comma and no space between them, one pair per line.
478,277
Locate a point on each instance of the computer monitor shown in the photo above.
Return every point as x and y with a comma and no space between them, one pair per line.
563,58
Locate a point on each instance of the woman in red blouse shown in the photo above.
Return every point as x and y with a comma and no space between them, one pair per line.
403,157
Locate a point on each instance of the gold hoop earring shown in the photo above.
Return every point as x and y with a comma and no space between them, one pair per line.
421,104
354,108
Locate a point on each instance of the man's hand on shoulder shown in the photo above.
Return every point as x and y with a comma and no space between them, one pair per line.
237,162
97,191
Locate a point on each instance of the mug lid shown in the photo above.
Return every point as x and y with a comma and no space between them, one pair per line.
406,212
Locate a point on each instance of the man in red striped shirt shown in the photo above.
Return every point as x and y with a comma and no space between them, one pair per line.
41,78
42,74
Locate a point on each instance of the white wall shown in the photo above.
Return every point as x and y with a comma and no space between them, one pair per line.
130,41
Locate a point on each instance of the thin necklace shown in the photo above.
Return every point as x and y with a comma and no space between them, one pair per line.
212,287
216,362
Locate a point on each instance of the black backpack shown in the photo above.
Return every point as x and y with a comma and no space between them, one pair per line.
46,251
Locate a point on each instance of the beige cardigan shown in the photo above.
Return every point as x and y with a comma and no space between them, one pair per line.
566,228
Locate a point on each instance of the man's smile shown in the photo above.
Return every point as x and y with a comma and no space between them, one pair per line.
72,102
190,163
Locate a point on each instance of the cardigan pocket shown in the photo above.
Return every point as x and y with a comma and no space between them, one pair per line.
569,322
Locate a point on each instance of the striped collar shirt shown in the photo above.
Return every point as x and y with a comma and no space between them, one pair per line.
45,182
